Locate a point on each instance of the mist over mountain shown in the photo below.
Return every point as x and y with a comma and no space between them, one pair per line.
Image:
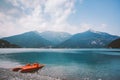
88,39
55,37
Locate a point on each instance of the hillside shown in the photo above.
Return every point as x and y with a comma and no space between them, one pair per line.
88,39
29,40
114,44
6,44
50,39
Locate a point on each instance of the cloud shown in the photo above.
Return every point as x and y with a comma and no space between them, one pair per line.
40,15
81,1
104,25
19,16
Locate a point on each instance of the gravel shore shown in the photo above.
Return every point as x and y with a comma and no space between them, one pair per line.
8,74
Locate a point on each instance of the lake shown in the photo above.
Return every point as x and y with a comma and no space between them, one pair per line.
67,64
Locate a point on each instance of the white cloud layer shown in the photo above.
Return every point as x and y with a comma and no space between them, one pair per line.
41,15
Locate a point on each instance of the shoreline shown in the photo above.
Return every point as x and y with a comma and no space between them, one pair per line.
7,74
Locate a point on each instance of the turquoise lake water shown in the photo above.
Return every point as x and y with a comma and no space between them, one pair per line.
69,64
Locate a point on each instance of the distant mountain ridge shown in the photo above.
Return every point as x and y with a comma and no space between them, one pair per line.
35,39
55,37
88,39
51,39
30,39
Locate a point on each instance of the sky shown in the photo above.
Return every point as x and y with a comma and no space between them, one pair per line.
72,16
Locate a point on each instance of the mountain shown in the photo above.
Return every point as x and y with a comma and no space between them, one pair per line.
55,37
88,39
30,39
115,44
6,44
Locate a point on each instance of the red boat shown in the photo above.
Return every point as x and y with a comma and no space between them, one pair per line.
29,68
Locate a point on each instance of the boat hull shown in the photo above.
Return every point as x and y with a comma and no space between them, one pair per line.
30,70
16,69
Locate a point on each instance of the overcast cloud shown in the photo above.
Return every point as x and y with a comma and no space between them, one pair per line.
19,16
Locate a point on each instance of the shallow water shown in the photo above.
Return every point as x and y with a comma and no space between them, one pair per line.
68,64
